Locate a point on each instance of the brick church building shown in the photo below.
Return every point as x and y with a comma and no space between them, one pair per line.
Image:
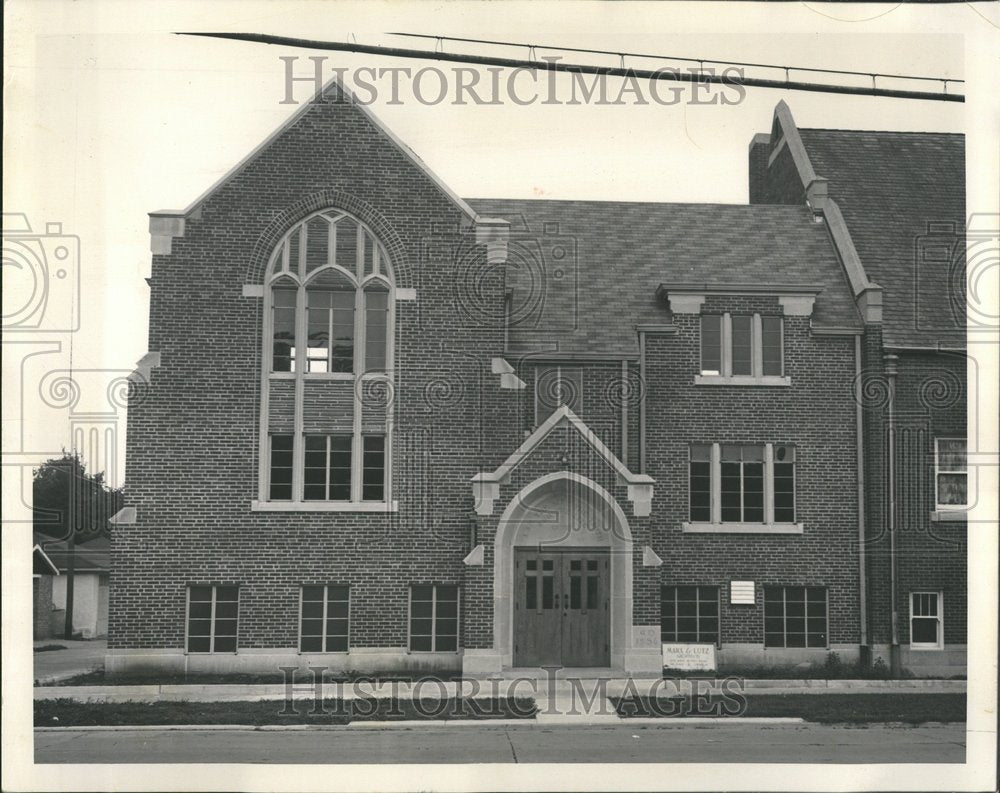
381,427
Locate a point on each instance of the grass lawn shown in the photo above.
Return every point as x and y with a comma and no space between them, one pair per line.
824,708
69,713
98,678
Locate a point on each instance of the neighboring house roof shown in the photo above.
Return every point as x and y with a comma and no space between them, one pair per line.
90,557
41,564
892,189
617,253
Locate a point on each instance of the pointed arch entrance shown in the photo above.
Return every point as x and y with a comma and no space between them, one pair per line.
563,576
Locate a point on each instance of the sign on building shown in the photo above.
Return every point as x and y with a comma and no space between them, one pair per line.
696,657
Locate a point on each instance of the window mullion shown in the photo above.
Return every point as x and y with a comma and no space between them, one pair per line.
326,598
211,625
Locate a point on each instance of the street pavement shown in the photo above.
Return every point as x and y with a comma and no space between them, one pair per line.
532,743
77,658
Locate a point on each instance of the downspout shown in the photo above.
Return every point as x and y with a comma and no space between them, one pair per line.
642,402
895,662
864,650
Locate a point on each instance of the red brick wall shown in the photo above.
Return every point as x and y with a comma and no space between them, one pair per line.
816,413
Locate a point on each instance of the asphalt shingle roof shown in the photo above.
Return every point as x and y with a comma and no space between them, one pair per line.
892,187
617,253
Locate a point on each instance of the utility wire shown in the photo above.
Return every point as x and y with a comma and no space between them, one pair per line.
532,47
699,77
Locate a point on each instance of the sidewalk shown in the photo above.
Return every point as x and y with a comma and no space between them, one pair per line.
562,692
78,657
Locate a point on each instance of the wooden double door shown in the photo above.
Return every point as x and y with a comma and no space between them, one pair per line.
561,607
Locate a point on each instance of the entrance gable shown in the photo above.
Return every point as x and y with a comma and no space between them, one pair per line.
486,485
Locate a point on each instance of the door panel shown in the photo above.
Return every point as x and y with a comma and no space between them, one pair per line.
561,603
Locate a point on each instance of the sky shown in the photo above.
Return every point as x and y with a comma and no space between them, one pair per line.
109,116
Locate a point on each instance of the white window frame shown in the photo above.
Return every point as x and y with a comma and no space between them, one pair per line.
458,619
211,635
939,507
939,644
769,525
281,268
757,376
326,603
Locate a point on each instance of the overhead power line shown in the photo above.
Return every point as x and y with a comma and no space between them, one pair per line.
702,61
699,77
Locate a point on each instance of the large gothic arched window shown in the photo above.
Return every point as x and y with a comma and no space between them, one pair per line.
330,285
329,298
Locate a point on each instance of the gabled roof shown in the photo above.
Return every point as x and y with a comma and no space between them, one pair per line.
617,253
333,87
41,563
90,557
893,188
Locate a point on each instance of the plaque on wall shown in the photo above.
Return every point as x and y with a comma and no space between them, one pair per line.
695,657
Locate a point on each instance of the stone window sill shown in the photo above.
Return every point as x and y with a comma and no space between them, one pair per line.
926,648
741,528
742,380
950,516
324,506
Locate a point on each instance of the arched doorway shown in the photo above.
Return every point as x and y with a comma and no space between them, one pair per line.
563,576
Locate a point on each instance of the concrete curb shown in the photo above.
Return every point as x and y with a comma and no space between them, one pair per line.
697,721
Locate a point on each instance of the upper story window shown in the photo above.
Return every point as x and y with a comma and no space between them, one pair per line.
556,386
741,488
951,476
330,299
742,349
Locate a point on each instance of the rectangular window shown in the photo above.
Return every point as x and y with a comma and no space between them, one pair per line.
730,483
283,320
795,616
951,473
770,343
742,472
330,331
433,618
926,612
281,468
376,329
701,483
212,618
711,344
324,619
784,484
689,614
327,468
373,471
556,386
742,344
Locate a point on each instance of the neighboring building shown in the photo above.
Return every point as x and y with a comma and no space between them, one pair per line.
90,586
42,573
895,205
385,428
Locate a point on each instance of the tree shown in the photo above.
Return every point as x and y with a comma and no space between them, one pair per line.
74,506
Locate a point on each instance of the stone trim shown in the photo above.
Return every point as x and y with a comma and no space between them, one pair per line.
741,528
486,485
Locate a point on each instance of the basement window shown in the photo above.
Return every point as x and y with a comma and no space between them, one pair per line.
795,616
212,619
742,349
324,619
926,620
433,618
689,614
